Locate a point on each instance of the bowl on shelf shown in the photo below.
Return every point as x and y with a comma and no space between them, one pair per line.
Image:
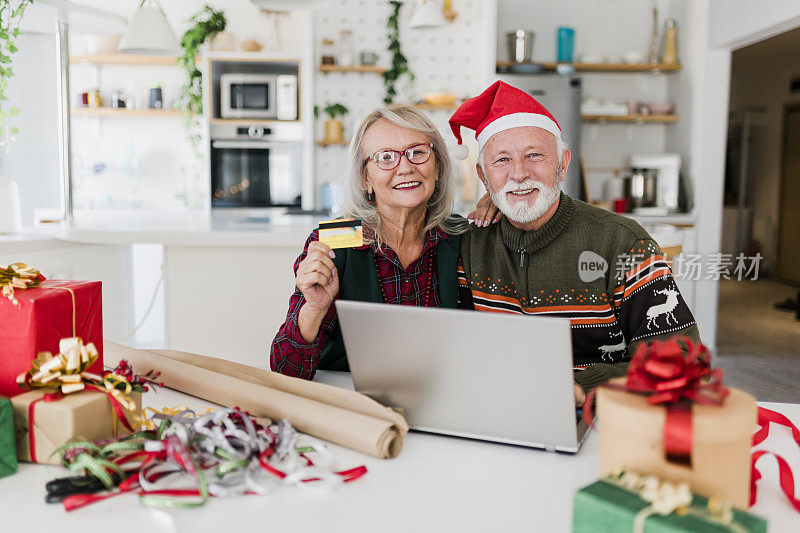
440,99
662,108
633,57
525,68
102,44
250,45
592,58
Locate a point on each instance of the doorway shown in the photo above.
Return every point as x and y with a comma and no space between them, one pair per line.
757,319
788,264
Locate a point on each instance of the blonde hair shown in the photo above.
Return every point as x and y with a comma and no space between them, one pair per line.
354,191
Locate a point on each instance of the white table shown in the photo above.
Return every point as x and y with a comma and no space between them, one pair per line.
436,484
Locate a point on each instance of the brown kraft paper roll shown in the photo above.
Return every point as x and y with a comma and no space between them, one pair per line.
337,415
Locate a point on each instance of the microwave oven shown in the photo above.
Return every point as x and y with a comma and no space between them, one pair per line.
258,96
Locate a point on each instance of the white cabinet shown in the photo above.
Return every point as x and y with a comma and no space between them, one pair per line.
227,301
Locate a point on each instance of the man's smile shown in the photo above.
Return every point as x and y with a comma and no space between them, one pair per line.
523,192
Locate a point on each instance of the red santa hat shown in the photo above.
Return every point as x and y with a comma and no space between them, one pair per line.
498,108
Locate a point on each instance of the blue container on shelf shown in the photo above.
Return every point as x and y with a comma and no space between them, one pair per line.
566,44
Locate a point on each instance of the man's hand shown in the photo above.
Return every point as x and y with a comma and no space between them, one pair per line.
580,396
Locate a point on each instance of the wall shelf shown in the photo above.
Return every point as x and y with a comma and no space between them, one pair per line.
124,59
116,113
635,119
431,107
504,66
359,68
250,121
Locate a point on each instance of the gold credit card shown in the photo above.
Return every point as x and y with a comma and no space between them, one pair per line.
341,233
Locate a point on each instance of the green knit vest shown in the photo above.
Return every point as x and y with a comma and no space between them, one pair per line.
358,280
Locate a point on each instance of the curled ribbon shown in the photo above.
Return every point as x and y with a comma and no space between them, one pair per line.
221,453
18,276
168,411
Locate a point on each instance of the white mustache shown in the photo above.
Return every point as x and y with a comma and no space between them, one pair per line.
511,186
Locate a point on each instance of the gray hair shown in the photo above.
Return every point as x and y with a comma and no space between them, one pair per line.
354,191
560,146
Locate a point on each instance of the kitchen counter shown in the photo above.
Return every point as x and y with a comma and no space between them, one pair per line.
186,229
27,243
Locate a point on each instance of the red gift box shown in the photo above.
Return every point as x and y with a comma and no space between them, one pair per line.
42,317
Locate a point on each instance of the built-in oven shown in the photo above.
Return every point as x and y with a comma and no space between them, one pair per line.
255,166
258,96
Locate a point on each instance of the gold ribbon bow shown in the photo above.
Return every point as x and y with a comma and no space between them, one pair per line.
17,276
65,370
111,382
666,498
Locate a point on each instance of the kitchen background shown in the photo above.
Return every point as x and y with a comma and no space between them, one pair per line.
145,161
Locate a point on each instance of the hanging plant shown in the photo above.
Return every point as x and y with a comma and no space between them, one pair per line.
206,24
10,20
336,110
399,63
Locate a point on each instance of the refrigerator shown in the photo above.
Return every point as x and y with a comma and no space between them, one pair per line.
561,95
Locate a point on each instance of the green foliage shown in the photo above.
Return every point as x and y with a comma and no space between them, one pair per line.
399,65
10,19
335,110
207,23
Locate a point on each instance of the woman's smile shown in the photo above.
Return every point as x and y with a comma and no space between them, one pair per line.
407,186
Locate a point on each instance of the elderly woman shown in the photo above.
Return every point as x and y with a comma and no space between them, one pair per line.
400,183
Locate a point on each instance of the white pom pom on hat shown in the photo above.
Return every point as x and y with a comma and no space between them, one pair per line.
498,108
460,152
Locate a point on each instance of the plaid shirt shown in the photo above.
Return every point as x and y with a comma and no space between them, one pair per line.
292,355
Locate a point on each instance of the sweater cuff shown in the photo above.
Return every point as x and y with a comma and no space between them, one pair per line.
598,374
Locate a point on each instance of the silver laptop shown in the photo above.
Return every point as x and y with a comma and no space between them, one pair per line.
489,376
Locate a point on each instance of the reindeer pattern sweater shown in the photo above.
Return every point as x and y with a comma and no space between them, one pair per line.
601,270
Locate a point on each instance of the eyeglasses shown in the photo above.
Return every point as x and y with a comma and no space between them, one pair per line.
390,159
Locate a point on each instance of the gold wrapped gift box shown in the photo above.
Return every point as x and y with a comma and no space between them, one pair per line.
82,416
632,438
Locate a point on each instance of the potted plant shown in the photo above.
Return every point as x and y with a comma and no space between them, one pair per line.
10,20
333,126
207,23
398,66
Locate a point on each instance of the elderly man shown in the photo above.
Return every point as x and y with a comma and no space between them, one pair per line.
552,255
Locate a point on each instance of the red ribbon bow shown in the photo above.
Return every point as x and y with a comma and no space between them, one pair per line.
662,371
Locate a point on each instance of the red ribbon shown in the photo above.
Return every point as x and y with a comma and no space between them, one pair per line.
31,419
765,418
661,371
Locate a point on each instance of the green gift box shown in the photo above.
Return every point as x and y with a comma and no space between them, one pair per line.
609,506
8,448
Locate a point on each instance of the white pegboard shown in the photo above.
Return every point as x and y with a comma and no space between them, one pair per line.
446,59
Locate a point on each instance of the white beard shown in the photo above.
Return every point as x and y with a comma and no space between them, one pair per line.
521,212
